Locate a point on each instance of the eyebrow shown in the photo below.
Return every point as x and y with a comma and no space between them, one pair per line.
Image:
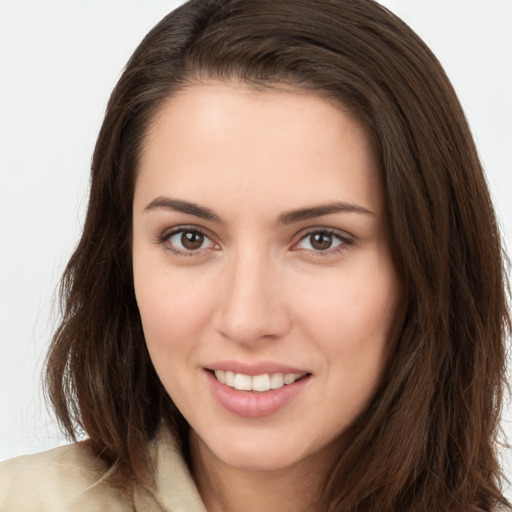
285,218
320,210
183,207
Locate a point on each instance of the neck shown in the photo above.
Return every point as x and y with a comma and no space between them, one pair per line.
225,488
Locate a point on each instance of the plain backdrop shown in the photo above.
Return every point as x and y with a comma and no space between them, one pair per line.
59,60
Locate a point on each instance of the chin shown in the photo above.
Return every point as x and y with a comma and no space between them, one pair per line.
258,460
250,453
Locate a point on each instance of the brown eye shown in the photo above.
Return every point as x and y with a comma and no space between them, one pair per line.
321,241
188,241
192,240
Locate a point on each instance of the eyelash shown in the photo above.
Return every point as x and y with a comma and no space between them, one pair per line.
164,240
344,240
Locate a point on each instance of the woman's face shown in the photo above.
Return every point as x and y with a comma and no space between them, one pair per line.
262,272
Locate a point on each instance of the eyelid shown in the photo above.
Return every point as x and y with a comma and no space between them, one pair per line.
346,239
164,237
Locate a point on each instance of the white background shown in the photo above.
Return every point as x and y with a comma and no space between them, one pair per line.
59,60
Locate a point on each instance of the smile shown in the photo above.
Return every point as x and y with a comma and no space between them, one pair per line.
260,383
254,397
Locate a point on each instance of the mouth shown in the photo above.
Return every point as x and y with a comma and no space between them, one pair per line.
257,395
259,383
257,389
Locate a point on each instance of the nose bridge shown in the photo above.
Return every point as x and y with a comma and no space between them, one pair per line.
251,303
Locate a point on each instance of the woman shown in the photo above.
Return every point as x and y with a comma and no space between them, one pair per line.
289,288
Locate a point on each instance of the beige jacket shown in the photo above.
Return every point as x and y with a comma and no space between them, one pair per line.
67,479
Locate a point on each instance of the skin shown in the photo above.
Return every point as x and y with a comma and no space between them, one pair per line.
257,289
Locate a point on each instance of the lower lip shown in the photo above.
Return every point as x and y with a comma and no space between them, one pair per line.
254,404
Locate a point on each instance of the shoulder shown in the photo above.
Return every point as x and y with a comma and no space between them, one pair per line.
63,479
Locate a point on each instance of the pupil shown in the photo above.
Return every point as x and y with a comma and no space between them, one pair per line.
321,241
192,240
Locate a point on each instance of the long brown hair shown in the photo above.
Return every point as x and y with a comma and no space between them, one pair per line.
427,441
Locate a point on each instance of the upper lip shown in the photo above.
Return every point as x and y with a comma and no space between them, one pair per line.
255,368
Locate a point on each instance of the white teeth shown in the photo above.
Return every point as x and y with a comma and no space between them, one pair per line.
230,379
242,382
260,383
221,376
289,378
276,381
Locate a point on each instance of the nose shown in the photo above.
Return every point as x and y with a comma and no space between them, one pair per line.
252,301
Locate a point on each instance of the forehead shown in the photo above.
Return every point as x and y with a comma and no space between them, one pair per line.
280,144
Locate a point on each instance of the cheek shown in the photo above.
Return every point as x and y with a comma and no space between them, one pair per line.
350,323
170,322
167,313
354,310
173,307
350,326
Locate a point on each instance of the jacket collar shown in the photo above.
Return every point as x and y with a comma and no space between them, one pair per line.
174,489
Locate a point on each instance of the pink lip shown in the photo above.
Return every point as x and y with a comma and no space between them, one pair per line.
252,369
255,404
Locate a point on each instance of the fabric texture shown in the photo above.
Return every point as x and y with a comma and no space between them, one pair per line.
69,479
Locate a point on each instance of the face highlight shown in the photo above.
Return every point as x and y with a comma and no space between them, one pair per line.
262,271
